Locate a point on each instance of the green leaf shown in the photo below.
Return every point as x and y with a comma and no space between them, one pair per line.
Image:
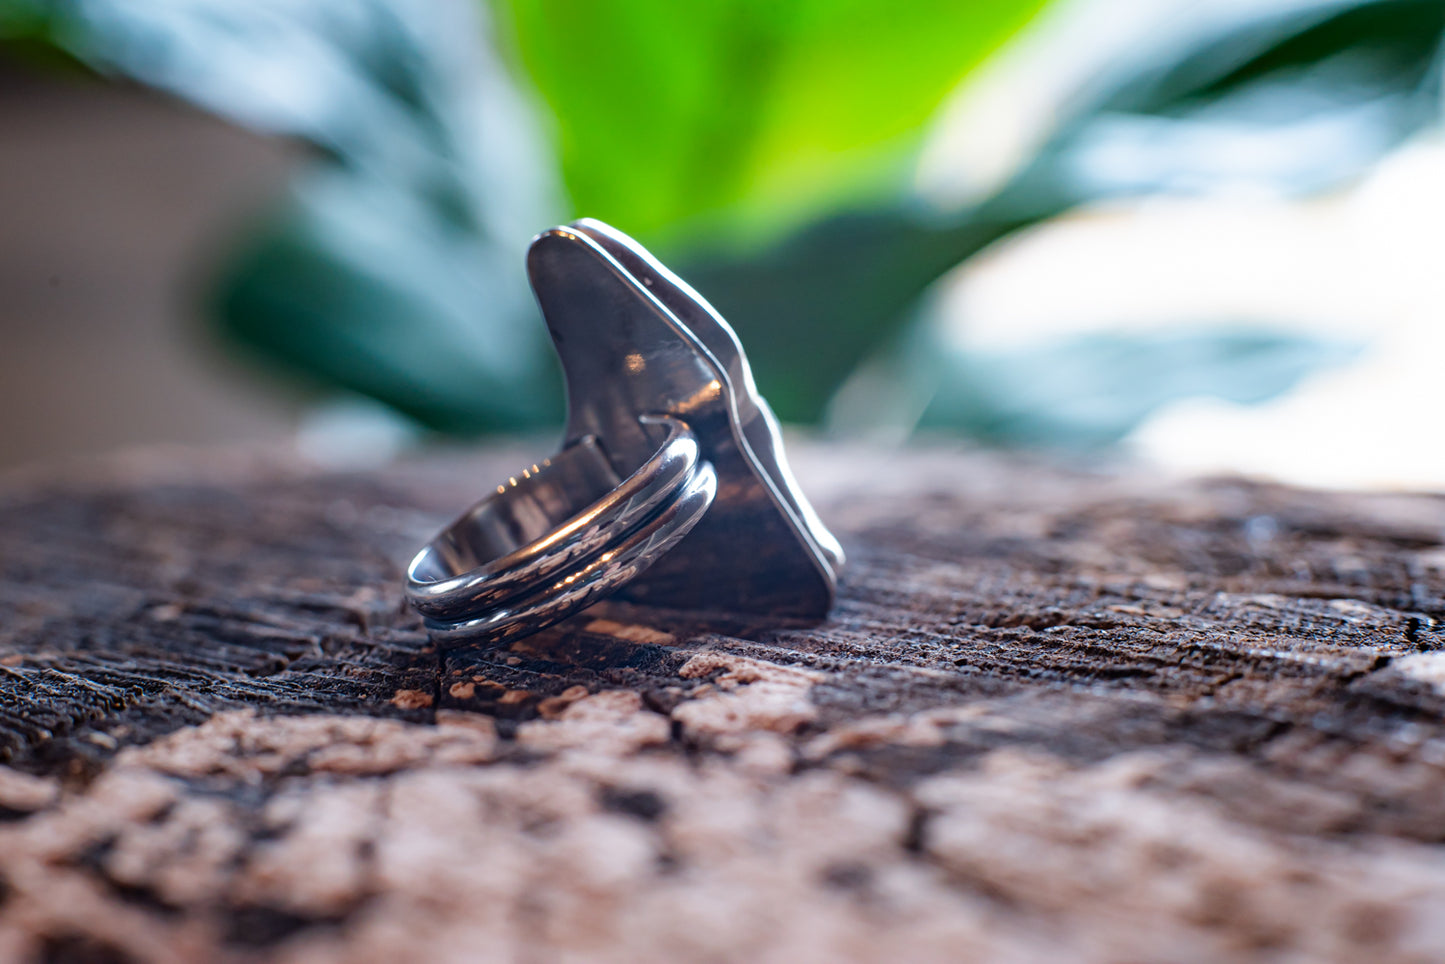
362,285
1297,100
812,308
395,268
1290,102
763,110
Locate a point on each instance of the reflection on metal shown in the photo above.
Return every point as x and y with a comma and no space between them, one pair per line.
671,488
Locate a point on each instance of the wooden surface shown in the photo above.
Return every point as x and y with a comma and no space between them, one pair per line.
1055,716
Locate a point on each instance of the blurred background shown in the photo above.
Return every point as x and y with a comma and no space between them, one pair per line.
1204,235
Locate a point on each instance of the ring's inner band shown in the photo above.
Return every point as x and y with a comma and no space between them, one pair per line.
532,506
593,578
537,542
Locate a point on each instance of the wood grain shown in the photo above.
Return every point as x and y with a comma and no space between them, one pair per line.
1056,714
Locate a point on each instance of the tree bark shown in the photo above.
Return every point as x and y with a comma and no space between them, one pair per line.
1055,714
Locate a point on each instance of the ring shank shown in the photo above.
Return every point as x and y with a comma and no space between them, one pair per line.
596,578
544,544
524,511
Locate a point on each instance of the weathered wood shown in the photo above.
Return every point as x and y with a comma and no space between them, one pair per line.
1056,715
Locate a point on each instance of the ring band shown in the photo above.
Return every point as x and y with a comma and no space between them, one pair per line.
559,537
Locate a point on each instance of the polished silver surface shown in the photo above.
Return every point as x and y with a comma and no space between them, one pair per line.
671,487
541,524
635,338
596,577
560,535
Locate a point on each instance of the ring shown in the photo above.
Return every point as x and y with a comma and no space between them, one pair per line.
560,536
671,487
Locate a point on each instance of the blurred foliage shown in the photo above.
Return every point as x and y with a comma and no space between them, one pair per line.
767,110
1079,392
395,268
1290,101
1090,390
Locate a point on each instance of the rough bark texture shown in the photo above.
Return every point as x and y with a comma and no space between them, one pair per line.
1055,715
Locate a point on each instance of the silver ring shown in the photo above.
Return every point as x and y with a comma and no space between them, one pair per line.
667,442
560,536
